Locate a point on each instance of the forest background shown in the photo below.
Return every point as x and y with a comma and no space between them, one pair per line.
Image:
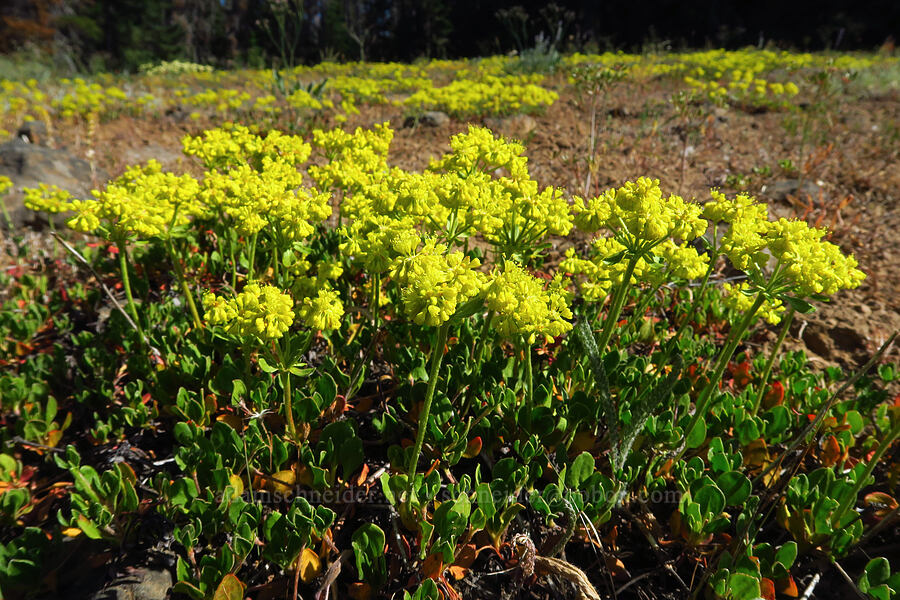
122,35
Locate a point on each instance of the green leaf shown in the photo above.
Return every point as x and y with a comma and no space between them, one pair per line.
327,388
607,409
786,555
238,390
877,571
427,591
188,589
743,587
711,500
368,549
88,528
615,258
580,469
468,309
230,588
698,435
265,366
778,420
288,258
736,487
798,304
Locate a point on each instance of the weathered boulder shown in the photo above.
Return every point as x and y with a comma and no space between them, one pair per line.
35,132
431,118
517,126
780,190
140,584
141,154
28,165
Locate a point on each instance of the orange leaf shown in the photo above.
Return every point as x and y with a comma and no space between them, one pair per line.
787,587
774,395
232,420
309,565
831,453
282,481
465,556
767,588
616,567
756,453
230,588
882,502
473,448
433,567
363,474
360,591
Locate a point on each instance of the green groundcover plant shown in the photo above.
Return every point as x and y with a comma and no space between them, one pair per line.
321,373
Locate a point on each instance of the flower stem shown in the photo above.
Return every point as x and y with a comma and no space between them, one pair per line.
234,265
764,379
641,309
376,298
618,301
482,339
126,283
437,355
529,378
731,345
185,289
252,256
850,499
288,409
285,375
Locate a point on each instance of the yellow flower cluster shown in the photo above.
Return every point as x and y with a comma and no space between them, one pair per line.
356,161
300,99
235,145
639,213
174,67
511,211
805,263
811,266
377,241
740,298
255,198
479,150
143,201
47,198
221,100
491,96
523,307
257,314
324,310
682,262
5,184
744,88
602,271
436,283
86,98
721,209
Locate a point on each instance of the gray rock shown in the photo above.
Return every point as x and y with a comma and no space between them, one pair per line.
431,118
140,584
517,126
28,165
34,132
780,190
140,155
